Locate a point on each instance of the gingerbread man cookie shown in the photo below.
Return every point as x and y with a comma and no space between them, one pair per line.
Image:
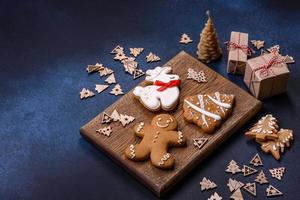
162,90
157,137
207,111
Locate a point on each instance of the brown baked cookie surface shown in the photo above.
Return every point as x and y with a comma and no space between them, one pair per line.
209,110
157,137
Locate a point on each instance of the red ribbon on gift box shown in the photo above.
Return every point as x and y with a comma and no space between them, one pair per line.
266,69
164,85
231,46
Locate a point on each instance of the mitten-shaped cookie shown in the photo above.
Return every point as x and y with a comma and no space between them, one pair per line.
157,137
207,111
162,90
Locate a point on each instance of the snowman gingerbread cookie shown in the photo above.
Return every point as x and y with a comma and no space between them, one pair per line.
162,90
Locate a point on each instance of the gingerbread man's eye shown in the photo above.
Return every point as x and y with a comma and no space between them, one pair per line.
168,121
159,119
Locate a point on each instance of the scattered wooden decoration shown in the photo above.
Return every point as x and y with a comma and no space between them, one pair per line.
272,191
100,88
111,79
120,56
207,184
106,118
105,131
85,93
200,76
138,73
288,59
126,119
248,170
94,68
215,196
258,43
262,52
115,115
277,172
237,195
234,184
251,188
151,57
117,90
256,160
261,178
136,51
105,71
185,39
233,167
117,49
130,65
274,49
200,142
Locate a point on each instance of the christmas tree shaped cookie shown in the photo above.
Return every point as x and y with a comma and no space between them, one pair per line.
207,111
275,147
265,128
266,133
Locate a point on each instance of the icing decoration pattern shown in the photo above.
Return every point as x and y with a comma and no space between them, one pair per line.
132,151
164,158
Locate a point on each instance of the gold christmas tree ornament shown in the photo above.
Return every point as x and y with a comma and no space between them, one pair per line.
209,48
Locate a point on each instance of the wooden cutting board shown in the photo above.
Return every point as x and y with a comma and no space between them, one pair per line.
160,181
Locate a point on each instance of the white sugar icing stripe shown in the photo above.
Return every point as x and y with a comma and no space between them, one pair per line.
212,115
217,94
219,103
200,97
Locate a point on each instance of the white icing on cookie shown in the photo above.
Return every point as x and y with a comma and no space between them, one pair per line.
219,102
132,151
204,112
164,91
200,97
164,158
167,123
180,137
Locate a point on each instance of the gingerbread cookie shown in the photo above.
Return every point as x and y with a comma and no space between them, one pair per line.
277,146
156,138
162,90
265,128
207,111
266,133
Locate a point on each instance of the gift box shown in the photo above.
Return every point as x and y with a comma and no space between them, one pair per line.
238,51
266,75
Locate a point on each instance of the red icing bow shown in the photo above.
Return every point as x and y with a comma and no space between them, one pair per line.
164,85
233,46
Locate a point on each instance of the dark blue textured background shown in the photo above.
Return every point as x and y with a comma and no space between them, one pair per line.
44,48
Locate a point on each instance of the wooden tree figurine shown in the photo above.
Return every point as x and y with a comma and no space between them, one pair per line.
209,48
